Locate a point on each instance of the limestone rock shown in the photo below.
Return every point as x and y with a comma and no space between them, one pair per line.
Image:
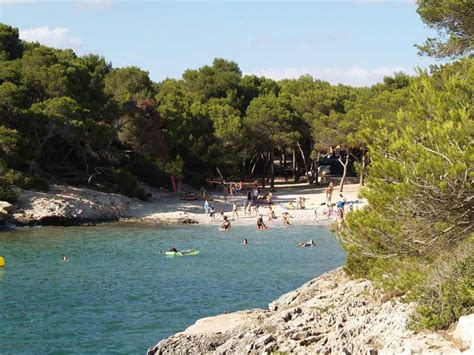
5,211
330,314
65,205
464,332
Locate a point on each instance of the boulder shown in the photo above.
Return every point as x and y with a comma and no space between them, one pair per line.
464,332
6,210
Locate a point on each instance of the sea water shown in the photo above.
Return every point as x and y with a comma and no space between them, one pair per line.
118,294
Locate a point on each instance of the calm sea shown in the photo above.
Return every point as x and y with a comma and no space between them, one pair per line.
117,294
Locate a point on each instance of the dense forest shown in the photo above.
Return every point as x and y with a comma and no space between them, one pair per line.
78,120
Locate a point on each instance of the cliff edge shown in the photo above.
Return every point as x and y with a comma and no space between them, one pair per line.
329,314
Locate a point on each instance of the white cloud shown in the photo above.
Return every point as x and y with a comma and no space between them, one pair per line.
58,37
355,75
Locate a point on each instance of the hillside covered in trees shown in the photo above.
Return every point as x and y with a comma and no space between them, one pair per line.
77,120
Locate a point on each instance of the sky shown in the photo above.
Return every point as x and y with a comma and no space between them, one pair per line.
355,42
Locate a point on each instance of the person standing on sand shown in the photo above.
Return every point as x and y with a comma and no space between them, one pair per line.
271,214
235,210
340,207
329,191
285,218
212,213
255,195
246,205
224,192
206,207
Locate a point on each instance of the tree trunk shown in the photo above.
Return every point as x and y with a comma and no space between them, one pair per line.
281,165
344,174
362,168
308,177
272,168
254,165
294,165
265,163
316,171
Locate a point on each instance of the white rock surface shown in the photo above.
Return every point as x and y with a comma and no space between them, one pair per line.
5,211
330,314
464,332
68,205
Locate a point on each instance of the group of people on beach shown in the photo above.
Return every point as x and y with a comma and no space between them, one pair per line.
299,204
342,205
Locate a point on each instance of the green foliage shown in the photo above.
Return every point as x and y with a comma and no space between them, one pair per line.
27,182
127,184
443,301
11,46
128,84
419,193
454,21
7,192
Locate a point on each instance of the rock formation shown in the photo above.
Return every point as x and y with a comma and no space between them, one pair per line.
330,314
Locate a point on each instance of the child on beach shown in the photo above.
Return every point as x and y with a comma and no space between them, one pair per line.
246,206
235,210
212,213
285,218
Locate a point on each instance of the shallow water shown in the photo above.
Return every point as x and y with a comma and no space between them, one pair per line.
117,294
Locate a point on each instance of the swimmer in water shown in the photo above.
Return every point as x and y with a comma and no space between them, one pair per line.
311,243
225,226
65,258
245,242
260,224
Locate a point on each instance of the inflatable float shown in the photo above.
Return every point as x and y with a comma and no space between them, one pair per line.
2,261
182,252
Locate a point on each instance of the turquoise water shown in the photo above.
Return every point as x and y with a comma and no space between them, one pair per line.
117,294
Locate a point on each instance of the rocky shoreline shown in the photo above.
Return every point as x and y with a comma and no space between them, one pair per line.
68,206
330,314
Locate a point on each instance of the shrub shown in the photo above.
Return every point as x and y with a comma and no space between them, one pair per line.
448,293
7,193
420,194
27,182
127,184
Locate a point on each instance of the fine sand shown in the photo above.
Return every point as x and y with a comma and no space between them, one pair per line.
168,208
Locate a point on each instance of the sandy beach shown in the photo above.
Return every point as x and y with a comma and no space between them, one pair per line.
167,207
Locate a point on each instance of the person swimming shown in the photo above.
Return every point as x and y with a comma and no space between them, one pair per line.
310,243
260,224
225,226
65,258
245,242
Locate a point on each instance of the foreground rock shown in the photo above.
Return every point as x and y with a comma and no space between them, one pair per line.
330,314
6,210
65,205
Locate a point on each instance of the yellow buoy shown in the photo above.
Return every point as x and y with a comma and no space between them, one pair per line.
2,261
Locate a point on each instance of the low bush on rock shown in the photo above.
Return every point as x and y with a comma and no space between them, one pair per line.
7,192
25,181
